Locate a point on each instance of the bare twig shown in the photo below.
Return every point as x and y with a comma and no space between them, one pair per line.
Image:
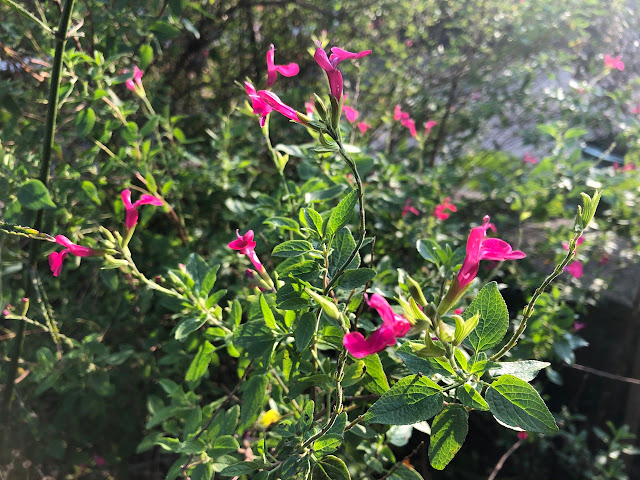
504,458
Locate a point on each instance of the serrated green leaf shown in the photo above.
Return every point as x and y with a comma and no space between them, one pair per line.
200,363
197,269
313,219
471,398
448,432
494,318
305,330
516,405
353,373
187,326
267,314
525,370
330,468
254,396
418,364
351,279
292,248
34,195
209,281
411,400
242,468
341,214
342,245
254,337
375,379
333,439
222,445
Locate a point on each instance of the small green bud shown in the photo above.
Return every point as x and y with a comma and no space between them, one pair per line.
446,333
463,329
328,307
428,350
586,213
416,292
336,111
320,108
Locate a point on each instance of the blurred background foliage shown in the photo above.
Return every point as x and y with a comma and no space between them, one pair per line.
501,79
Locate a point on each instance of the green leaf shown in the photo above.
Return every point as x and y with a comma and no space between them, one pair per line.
516,405
405,473
375,378
85,121
91,191
209,281
313,219
342,246
494,318
197,269
242,468
417,364
471,398
525,370
222,445
203,471
34,195
176,7
305,330
333,439
255,337
200,363
351,279
428,250
411,400
448,432
267,314
284,222
341,214
145,52
330,468
254,396
292,248
187,326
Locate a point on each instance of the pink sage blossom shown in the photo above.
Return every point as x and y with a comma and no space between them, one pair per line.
393,326
441,210
330,66
428,126
56,258
273,101
289,70
575,269
408,208
246,246
481,248
260,107
350,113
636,110
613,62
131,217
577,326
411,125
363,126
523,435
528,158
136,80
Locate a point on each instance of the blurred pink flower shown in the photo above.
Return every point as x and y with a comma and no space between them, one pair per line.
289,70
604,259
6,311
57,258
246,246
363,126
408,208
523,435
577,326
309,106
528,158
441,209
575,269
350,113
131,217
136,80
100,461
411,125
428,126
613,62
260,107
481,248
458,311
330,66
636,110
273,101
393,326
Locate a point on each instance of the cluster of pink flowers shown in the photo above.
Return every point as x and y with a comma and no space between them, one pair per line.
136,80
613,63
406,121
528,158
408,208
625,168
440,211
393,326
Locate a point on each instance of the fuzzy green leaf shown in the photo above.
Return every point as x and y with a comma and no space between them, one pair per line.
525,370
470,397
254,396
342,213
448,432
292,248
351,279
330,468
200,363
34,195
494,318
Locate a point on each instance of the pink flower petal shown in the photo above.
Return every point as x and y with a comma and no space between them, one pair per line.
350,113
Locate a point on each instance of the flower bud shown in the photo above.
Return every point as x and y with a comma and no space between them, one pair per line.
463,329
416,292
328,307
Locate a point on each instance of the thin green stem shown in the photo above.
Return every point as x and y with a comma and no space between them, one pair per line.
29,15
276,162
50,128
529,308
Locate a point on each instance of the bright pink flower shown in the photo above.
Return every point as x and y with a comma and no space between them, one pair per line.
363,126
393,325
636,110
136,80
6,311
330,65
408,208
350,113
523,435
309,106
441,210
481,248
577,326
629,166
411,125
131,209
613,62
246,246
289,70
458,311
529,159
56,258
575,269
580,241
273,101
397,113
259,106
428,126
